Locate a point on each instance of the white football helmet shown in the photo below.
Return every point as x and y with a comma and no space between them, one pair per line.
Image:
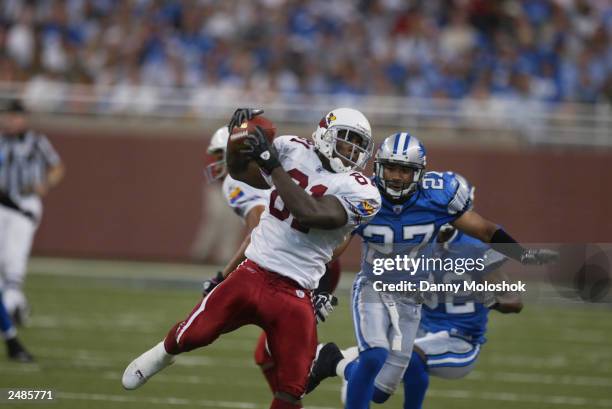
405,150
343,124
217,170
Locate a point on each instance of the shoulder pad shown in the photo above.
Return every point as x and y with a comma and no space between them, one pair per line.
448,190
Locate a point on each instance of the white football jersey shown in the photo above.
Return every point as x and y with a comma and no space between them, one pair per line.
242,197
280,244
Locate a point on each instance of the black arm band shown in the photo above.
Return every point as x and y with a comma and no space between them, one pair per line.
505,244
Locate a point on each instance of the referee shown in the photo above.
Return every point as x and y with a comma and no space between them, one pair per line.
29,167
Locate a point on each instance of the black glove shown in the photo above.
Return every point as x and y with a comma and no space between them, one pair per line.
324,304
539,256
211,283
242,114
261,151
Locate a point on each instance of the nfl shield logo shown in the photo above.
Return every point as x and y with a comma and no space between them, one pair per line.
397,209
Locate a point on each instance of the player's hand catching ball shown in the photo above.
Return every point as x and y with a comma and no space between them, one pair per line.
211,283
241,115
539,256
324,305
261,151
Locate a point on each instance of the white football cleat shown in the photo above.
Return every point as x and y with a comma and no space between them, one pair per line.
145,366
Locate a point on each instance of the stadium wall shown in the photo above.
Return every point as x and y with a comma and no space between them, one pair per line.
141,198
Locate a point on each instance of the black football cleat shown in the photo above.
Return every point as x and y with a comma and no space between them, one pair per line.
16,351
324,365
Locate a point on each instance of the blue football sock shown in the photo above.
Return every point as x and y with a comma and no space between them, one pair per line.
362,375
416,381
6,325
350,369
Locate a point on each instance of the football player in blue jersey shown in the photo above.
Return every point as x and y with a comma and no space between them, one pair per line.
415,206
453,325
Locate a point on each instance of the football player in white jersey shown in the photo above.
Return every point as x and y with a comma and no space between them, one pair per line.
249,203
318,198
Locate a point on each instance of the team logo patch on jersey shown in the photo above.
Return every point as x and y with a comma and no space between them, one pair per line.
235,195
300,293
397,209
366,208
363,208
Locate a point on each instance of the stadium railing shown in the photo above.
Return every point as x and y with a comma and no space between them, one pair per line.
521,119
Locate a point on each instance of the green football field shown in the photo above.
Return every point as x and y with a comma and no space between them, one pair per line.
91,318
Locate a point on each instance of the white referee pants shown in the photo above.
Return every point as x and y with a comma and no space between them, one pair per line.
16,235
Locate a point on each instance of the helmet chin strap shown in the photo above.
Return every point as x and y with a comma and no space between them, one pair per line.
399,194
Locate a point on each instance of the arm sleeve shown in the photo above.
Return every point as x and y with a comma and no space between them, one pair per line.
47,151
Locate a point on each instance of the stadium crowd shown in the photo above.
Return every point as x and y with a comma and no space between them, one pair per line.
541,50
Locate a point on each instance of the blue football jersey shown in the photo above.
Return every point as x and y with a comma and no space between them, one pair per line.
461,314
441,198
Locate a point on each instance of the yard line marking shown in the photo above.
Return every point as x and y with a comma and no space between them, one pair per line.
542,378
539,362
19,367
523,398
204,380
167,401
512,377
85,356
132,323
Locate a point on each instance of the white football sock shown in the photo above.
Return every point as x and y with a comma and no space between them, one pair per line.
145,366
349,354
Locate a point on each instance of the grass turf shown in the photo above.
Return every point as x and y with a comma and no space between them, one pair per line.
90,319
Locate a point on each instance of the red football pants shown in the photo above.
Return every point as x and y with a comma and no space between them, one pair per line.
252,295
328,283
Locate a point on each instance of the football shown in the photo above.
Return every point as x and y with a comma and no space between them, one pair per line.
238,136
240,166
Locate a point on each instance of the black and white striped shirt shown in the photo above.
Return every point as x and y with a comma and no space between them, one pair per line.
24,162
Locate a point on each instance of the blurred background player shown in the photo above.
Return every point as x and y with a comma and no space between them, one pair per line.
288,251
218,231
29,168
14,349
453,326
415,205
246,201
249,203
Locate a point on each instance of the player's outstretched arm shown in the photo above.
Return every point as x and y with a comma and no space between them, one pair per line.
477,226
324,212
